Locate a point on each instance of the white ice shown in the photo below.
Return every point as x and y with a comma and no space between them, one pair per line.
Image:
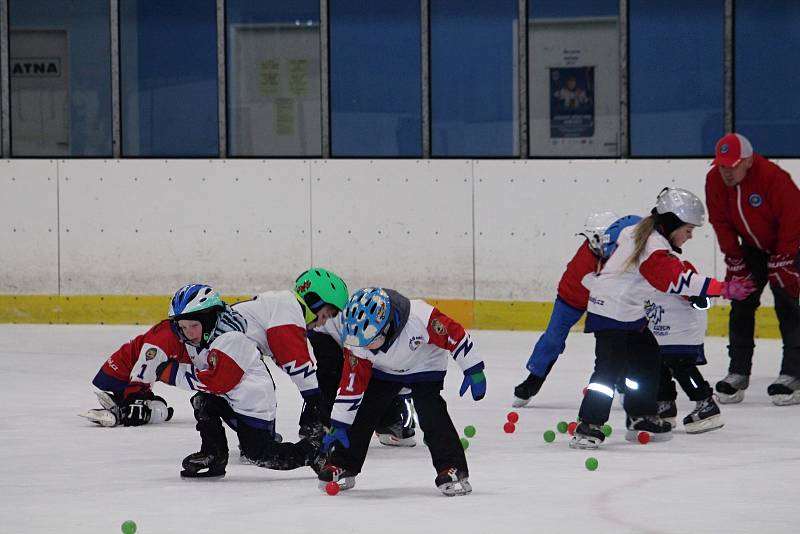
61,474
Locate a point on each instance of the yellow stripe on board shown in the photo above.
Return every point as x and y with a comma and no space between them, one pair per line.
149,309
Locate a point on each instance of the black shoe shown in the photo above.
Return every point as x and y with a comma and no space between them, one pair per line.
526,390
396,435
587,436
331,473
658,429
204,465
453,481
704,418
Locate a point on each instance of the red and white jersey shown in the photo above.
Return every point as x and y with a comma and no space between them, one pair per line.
570,287
276,323
231,367
134,364
419,353
674,322
618,293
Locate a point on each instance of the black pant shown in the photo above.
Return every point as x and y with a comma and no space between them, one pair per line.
257,444
329,373
440,434
742,320
685,371
623,354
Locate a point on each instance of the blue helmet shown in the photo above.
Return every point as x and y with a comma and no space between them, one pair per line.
611,235
197,302
365,316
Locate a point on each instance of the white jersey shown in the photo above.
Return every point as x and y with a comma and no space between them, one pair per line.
232,368
675,323
276,323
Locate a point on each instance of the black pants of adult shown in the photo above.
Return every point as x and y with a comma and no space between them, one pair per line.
623,354
742,320
329,372
440,434
256,444
685,371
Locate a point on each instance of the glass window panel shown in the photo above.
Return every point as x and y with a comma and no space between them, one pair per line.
60,78
767,45
375,92
168,56
273,77
676,77
474,95
573,78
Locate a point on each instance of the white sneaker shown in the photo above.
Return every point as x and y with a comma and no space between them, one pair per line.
785,390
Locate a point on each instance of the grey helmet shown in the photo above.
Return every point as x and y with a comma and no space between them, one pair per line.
684,204
594,229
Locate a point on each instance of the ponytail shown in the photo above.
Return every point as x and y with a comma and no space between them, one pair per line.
641,233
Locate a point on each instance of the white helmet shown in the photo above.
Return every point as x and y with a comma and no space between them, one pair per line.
595,227
684,204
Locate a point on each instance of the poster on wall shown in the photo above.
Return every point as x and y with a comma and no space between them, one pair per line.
571,102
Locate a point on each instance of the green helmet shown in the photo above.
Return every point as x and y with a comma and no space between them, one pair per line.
317,287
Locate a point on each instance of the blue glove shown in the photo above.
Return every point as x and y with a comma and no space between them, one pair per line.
477,383
334,434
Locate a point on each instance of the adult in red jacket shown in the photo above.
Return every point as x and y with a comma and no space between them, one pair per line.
754,207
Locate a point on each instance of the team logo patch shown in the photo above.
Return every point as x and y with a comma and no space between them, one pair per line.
353,361
151,353
653,311
438,327
755,200
414,342
212,360
724,149
302,288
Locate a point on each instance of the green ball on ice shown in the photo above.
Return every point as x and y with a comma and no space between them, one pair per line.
562,427
606,430
128,527
549,436
469,431
591,463
465,443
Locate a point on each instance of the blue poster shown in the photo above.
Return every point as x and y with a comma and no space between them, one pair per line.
571,102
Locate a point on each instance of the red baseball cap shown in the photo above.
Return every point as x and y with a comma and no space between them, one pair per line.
732,149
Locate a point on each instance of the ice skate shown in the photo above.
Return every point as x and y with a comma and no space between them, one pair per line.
453,482
704,418
204,465
785,390
526,390
396,435
658,429
667,411
330,473
102,417
105,400
730,390
587,436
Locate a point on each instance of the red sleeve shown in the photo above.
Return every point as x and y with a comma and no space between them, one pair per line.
288,344
716,201
786,202
443,331
223,373
570,287
356,374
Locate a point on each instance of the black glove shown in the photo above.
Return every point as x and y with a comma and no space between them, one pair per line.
700,303
136,413
312,419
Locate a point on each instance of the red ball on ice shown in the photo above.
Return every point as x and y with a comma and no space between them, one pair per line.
571,428
644,438
331,488
512,417
509,428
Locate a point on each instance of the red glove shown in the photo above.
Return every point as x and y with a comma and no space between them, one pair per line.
783,273
735,268
737,288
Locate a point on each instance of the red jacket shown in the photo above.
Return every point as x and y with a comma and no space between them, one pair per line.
763,210
570,287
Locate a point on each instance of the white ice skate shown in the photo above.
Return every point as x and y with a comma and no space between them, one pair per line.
785,391
730,390
453,482
101,416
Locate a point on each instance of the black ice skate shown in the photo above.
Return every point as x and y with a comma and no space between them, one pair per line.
396,435
204,465
658,429
330,473
784,391
704,418
453,482
526,390
730,389
587,436
667,411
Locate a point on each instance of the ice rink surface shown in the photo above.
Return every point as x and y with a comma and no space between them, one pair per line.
60,474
